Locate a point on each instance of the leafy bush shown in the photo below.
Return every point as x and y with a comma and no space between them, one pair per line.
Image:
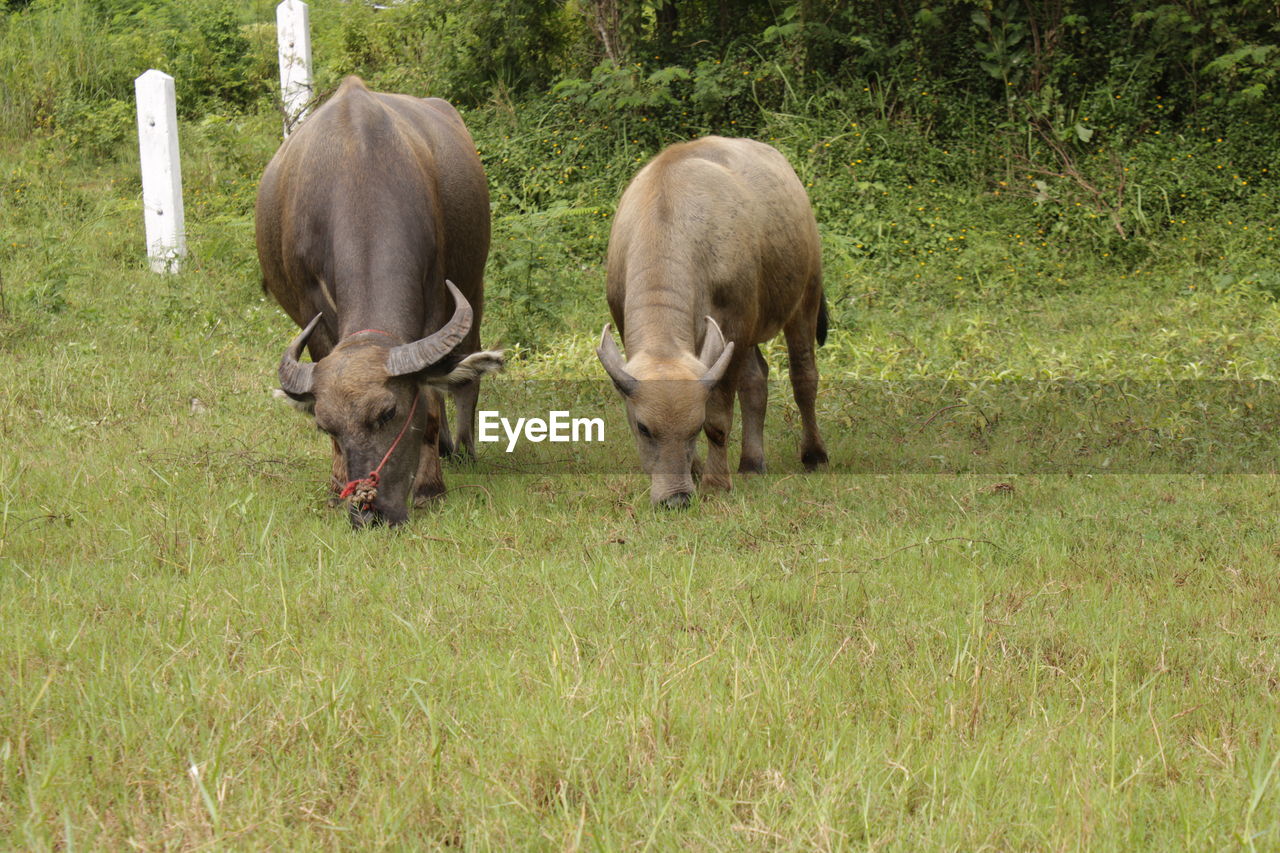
953,148
70,65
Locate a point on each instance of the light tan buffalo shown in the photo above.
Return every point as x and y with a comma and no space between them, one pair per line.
367,216
714,249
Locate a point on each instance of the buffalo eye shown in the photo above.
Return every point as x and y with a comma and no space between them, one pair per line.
384,417
644,430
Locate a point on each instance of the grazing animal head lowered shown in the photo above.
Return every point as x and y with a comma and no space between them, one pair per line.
371,396
712,228
373,217
666,402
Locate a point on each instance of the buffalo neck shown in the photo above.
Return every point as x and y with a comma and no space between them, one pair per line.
379,259
661,310
386,297
397,320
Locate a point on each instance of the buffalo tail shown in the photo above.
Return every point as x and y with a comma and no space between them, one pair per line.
822,321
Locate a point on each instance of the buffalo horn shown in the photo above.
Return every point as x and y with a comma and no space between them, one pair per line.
295,376
712,343
715,353
613,364
424,352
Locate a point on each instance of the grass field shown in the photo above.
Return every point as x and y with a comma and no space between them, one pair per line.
195,651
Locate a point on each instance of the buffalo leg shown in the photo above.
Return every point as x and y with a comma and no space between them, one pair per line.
717,426
446,437
429,482
465,398
338,473
801,333
753,393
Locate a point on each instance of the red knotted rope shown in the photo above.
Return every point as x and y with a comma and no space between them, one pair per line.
365,489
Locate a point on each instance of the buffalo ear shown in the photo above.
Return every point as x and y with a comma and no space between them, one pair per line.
306,405
470,368
609,356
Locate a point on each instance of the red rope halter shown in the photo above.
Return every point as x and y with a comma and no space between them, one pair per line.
366,488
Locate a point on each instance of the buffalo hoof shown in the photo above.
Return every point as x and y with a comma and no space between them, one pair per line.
751,466
459,454
716,483
680,500
813,459
427,495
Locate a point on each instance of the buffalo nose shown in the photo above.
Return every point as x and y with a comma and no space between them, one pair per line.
362,517
679,500
373,515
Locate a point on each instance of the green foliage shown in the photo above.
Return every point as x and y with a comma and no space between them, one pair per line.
960,146
1002,49
225,65
511,43
101,129
464,51
70,65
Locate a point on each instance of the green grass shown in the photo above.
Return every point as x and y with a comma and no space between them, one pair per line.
196,651
825,661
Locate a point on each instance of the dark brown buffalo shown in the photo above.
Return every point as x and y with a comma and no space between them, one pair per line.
367,217
714,250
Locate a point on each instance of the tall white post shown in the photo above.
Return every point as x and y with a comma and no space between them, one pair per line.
293,36
161,170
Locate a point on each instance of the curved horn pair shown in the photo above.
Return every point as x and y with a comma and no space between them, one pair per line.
297,377
714,356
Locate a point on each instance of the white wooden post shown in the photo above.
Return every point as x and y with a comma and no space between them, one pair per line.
161,170
293,37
